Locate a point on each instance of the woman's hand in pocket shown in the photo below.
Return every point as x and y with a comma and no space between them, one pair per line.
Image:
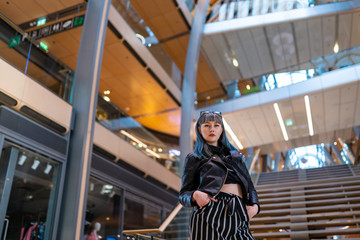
252,210
202,198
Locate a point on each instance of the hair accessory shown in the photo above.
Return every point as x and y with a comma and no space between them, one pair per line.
206,112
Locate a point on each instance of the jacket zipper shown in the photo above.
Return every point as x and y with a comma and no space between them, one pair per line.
223,180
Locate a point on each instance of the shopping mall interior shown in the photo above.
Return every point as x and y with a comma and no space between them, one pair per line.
98,101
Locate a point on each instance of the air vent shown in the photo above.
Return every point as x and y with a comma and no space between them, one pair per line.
6,99
105,154
43,120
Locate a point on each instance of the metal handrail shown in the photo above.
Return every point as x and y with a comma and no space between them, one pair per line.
162,227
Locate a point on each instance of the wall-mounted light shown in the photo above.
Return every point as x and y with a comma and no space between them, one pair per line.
248,87
35,164
107,92
235,62
308,114
48,168
22,159
133,138
281,121
336,47
106,98
152,153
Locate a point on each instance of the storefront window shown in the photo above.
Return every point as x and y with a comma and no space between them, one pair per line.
103,213
32,186
140,213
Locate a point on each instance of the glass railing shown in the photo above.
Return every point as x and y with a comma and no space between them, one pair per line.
127,128
227,10
147,37
32,57
292,75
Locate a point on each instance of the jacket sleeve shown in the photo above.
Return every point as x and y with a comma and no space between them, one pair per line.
190,180
252,197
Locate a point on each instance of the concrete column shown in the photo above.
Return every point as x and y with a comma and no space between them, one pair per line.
84,104
189,83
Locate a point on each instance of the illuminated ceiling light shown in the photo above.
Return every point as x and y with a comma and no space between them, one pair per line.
160,149
308,114
142,39
281,121
336,47
35,164
335,143
48,169
107,92
22,159
248,87
106,98
232,134
235,62
132,138
152,153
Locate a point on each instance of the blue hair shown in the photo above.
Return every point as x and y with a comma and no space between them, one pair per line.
201,149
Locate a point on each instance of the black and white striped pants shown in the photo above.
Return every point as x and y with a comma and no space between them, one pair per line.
225,219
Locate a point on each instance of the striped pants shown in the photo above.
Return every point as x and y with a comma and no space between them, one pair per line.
225,219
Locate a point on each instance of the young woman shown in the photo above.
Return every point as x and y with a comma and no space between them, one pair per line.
217,183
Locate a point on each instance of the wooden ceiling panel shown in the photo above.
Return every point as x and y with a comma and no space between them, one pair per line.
69,3
161,27
12,56
105,73
176,22
112,64
51,6
56,47
68,42
71,61
13,12
110,37
164,122
124,57
33,9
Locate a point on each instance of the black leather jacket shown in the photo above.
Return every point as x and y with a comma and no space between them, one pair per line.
209,174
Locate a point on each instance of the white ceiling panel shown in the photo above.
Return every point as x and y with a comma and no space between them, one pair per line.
258,118
249,48
263,50
317,112
272,33
302,40
236,45
212,56
344,31
332,109
355,30
315,37
300,117
328,31
288,44
347,105
225,55
357,107
272,122
250,131
287,114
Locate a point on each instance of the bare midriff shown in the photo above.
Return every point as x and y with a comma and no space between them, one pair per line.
232,188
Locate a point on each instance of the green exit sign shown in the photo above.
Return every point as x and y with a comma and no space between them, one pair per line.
14,41
78,21
41,21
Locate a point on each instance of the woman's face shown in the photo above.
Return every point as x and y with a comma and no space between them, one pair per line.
211,132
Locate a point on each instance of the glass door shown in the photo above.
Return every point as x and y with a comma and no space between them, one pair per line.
28,184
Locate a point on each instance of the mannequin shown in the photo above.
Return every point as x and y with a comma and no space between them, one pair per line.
95,228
